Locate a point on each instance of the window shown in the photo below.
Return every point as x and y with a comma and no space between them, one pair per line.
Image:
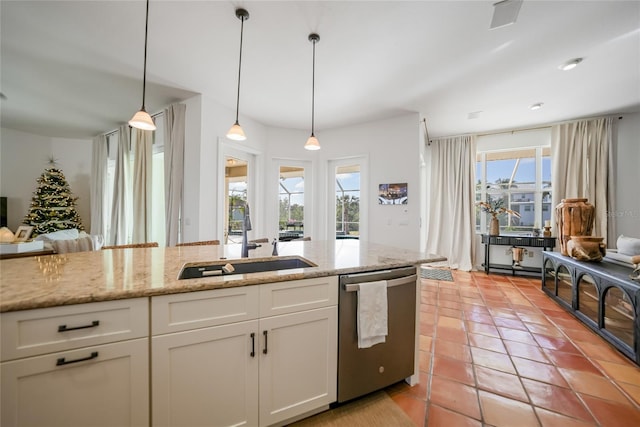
522,179
157,184
291,202
348,202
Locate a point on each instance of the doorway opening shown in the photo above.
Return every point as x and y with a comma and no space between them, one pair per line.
348,201
236,182
291,203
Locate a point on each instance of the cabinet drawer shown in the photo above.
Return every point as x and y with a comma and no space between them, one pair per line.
40,331
297,295
100,386
192,310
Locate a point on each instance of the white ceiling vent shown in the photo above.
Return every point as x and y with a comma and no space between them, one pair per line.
505,13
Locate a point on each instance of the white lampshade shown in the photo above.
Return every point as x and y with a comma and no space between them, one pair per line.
236,133
142,120
312,143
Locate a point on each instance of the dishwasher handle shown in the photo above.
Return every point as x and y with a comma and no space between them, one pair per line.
354,287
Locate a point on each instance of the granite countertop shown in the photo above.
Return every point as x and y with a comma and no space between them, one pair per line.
54,280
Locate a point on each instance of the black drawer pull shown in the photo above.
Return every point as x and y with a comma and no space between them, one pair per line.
253,344
61,361
264,350
63,328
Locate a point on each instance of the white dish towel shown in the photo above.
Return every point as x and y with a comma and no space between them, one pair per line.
372,313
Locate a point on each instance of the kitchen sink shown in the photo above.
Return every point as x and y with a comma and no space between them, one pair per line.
242,266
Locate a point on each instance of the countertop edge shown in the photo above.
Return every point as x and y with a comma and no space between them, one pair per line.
205,284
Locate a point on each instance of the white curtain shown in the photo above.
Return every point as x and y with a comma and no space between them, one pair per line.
450,222
580,155
142,213
118,233
174,125
98,180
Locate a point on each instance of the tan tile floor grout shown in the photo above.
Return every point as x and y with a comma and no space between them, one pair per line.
496,351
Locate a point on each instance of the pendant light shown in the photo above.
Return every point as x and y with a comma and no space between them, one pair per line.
236,133
312,142
142,119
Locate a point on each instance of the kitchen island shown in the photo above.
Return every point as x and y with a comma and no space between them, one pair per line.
114,336
56,280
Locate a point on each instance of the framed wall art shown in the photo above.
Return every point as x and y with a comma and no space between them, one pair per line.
392,194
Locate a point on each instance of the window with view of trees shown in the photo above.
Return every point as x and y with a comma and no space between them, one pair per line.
291,200
522,179
348,202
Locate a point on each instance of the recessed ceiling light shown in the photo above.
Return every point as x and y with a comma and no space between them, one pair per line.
537,106
474,115
571,64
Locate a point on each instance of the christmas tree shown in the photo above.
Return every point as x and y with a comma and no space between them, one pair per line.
53,207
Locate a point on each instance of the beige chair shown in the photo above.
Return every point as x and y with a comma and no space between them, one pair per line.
201,243
133,245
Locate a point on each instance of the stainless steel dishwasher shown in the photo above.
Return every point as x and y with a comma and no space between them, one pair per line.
363,370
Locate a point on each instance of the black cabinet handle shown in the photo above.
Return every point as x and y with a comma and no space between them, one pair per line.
253,344
265,333
64,328
62,361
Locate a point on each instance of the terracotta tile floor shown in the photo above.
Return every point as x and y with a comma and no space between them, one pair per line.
496,351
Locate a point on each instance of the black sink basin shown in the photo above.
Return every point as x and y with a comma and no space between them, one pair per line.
242,266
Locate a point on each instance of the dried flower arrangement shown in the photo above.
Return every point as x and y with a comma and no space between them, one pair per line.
495,207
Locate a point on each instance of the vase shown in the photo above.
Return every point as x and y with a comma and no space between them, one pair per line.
574,217
586,248
494,227
517,256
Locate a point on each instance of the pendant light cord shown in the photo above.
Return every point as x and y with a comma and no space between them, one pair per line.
144,73
313,89
239,68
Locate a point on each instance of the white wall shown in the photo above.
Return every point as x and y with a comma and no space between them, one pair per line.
392,147
23,158
191,189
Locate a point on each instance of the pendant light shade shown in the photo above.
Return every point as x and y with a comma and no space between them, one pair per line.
142,119
236,133
313,143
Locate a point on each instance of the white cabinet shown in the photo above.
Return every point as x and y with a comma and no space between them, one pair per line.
76,365
252,356
206,377
203,372
298,373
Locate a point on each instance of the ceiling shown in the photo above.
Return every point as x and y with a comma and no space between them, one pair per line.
74,68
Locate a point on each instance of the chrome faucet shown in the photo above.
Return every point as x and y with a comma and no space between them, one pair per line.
246,226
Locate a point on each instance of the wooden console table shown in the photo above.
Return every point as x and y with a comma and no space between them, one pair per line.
546,243
601,295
